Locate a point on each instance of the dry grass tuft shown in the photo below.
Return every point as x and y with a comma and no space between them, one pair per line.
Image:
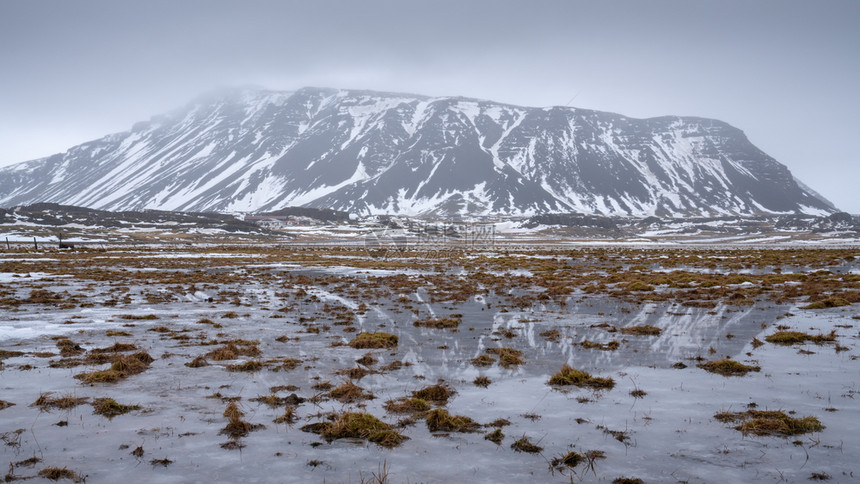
116,348
68,347
508,357
110,408
523,444
496,436
288,417
571,459
572,376
248,366
787,338
644,330
358,425
379,339
231,351
482,381
236,427
727,367
450,322
57,473
439,420
770,423
65,402
439,393
610,346
407,405
830,302
483,360
349,392
122,367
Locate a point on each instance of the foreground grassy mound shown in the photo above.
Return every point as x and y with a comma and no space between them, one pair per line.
379,339
358,425
770,423
571,376
727,367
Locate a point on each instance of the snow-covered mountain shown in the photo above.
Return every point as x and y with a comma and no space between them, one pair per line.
373,153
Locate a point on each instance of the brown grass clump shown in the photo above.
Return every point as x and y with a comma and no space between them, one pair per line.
122,367
12,354
288,417
572,376
65,402
138,317
4,404
499,422
628,480
830,302
57,473
30,462
394,365
639,286
367,360
349,392
496,436
231,351
112,333
571,459
727,367
450,322
407,405
380,339
358,425
248,366
439,420
550,335
116,348
356,373
508,357
110,408
161,462
610,346
482,381
644,330
483,360
236,427
770,423
439,393
796,337
270,400
523,444
68,347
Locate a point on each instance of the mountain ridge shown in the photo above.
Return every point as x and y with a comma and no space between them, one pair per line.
371,152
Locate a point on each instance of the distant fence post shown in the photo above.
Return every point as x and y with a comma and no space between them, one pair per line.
7,244
36,244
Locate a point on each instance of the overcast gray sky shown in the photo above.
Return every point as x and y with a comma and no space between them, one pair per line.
786,72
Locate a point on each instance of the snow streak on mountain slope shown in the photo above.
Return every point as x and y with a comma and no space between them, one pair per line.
371,153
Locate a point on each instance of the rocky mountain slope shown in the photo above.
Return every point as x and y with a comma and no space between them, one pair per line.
373,153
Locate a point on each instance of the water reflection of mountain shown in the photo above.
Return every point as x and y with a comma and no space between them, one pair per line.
686,333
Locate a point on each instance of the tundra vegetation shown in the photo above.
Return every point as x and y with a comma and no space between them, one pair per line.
408,360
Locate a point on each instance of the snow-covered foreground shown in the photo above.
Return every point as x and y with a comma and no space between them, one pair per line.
294,312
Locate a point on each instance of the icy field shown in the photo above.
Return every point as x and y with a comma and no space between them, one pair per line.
251,364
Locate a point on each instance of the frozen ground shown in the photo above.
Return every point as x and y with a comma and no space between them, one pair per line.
307,305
